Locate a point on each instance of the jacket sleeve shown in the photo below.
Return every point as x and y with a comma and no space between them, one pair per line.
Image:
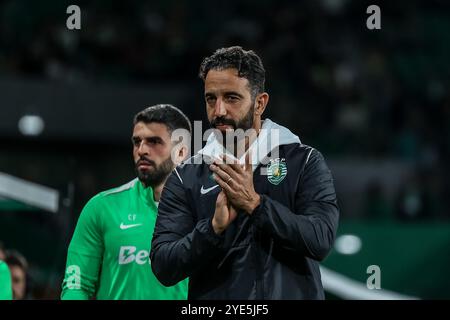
311,229
180,244
5,282
84,256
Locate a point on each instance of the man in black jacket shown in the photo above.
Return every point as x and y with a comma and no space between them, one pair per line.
249,221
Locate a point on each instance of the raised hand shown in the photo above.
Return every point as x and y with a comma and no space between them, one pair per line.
224,214
236,181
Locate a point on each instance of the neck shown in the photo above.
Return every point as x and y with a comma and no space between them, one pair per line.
157,191
257,124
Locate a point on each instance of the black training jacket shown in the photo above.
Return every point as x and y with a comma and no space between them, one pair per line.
273,253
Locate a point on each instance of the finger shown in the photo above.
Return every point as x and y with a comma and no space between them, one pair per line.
225,186
224,175
233,163
233,213
247,155
229,170
217,160
222,199
248,161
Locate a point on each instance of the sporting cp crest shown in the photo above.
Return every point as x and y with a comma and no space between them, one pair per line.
276,171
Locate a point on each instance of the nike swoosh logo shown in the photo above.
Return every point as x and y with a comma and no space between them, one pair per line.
205,191
128,226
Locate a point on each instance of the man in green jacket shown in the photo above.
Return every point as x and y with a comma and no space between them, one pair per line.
108,256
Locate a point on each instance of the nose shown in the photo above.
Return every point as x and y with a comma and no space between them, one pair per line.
142,149
219,108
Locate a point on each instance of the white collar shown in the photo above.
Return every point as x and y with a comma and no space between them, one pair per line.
271,136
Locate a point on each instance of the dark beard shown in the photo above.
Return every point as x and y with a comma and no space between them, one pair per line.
245,123
157,176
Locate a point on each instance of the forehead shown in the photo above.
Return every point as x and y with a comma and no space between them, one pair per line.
153,129
17,271
225,80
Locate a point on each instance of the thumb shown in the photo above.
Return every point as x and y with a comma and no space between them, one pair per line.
222,199
233,210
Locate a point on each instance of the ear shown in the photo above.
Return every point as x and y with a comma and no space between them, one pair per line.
183,152
180,152
261,102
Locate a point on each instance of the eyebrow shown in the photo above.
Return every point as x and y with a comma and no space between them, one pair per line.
226,93
233,93
150,139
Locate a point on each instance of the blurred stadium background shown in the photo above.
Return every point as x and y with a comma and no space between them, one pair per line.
375,103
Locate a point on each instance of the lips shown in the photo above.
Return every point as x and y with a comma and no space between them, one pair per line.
144,164
223,123
223,127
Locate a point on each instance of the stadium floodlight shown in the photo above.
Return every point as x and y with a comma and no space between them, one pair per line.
348,244
31,125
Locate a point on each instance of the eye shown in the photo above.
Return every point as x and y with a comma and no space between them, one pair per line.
232,99
210,100
154,141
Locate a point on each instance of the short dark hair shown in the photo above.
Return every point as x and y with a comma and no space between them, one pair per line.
166,114
247,63
15,258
